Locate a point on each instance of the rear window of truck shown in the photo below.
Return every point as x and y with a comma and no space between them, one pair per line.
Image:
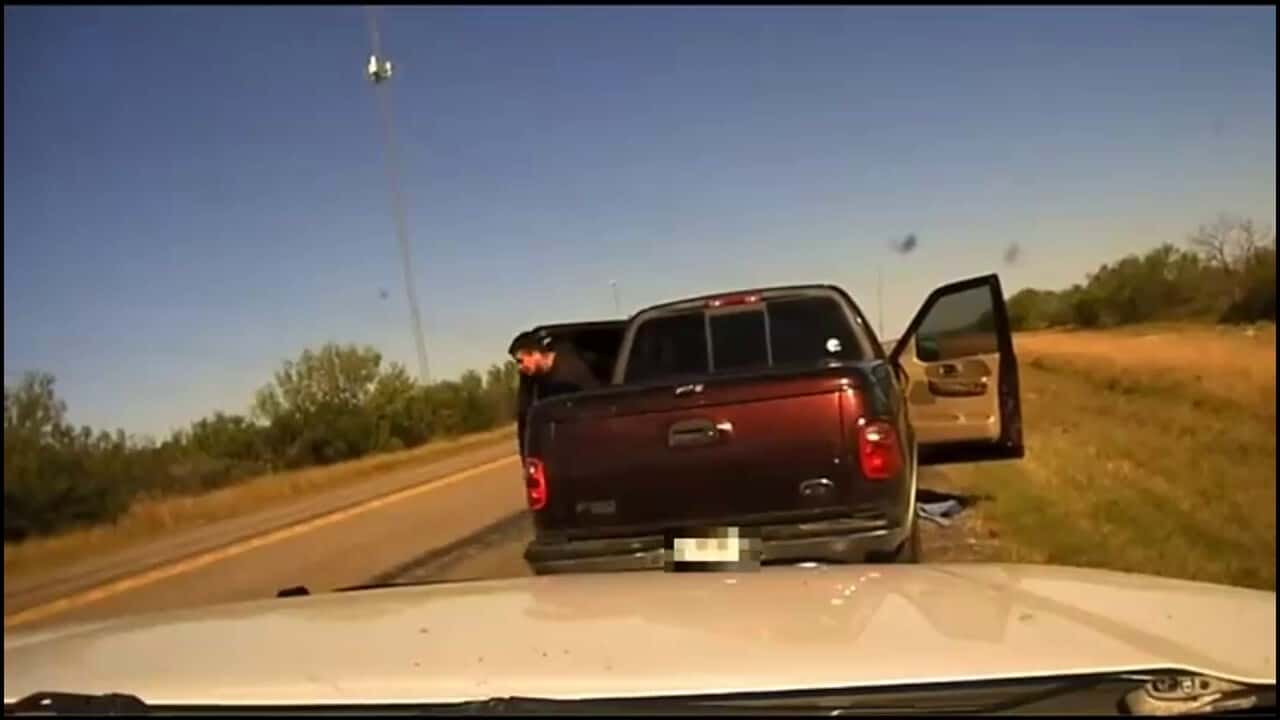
668,346
783,332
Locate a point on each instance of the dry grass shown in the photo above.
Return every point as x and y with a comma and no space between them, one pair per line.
150,519
1228,362
1150,449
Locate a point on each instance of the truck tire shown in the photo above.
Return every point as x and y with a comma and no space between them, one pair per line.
907,552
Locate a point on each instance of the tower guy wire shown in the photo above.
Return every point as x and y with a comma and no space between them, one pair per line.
379,71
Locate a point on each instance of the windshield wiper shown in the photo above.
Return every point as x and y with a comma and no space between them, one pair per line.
1196,694
1106,693
60,703
303,590
1155,693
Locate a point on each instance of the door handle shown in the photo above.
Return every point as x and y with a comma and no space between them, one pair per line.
696,433
958,388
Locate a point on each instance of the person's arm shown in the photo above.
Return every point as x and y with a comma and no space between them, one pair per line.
570,369
524,398
581,373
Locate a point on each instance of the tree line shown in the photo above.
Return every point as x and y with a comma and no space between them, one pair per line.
337,403
342,402
1225,273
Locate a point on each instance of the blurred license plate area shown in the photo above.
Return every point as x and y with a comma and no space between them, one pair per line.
711,549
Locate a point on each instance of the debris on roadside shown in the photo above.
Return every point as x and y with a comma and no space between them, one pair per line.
939,507
939,512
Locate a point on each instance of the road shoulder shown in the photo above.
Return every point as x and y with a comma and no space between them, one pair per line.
41,586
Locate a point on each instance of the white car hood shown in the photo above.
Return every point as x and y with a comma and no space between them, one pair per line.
641,634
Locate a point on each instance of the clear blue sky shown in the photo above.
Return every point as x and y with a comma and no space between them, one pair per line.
194,194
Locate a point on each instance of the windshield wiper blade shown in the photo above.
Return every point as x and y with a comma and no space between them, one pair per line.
1088,694
964,700
1078,693
60,703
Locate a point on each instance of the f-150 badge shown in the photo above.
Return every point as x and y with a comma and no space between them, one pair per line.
597,507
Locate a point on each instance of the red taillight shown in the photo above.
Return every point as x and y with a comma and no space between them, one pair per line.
878,450
744,299
535,483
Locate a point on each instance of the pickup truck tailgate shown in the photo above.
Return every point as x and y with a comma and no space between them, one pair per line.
659,458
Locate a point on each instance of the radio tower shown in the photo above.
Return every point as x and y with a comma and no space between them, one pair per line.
379,72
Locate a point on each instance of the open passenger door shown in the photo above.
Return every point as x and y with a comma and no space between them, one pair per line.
961,385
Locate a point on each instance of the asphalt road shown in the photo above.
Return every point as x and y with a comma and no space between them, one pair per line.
460,519
374,539
497,551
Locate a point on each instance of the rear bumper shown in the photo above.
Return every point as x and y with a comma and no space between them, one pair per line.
841,540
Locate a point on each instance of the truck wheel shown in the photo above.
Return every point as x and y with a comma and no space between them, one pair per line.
907,552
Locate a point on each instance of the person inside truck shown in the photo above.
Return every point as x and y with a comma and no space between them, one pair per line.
554,364
550,367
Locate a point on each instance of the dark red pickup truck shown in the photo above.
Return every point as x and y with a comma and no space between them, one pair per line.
775,410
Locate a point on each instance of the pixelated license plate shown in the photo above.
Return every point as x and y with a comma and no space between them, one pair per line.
712,548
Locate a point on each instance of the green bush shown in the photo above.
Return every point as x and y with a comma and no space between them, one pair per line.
329,405
1228,275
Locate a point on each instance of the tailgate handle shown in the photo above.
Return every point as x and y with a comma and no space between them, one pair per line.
692,389
696,433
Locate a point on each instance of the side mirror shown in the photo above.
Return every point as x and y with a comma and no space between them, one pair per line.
927,349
